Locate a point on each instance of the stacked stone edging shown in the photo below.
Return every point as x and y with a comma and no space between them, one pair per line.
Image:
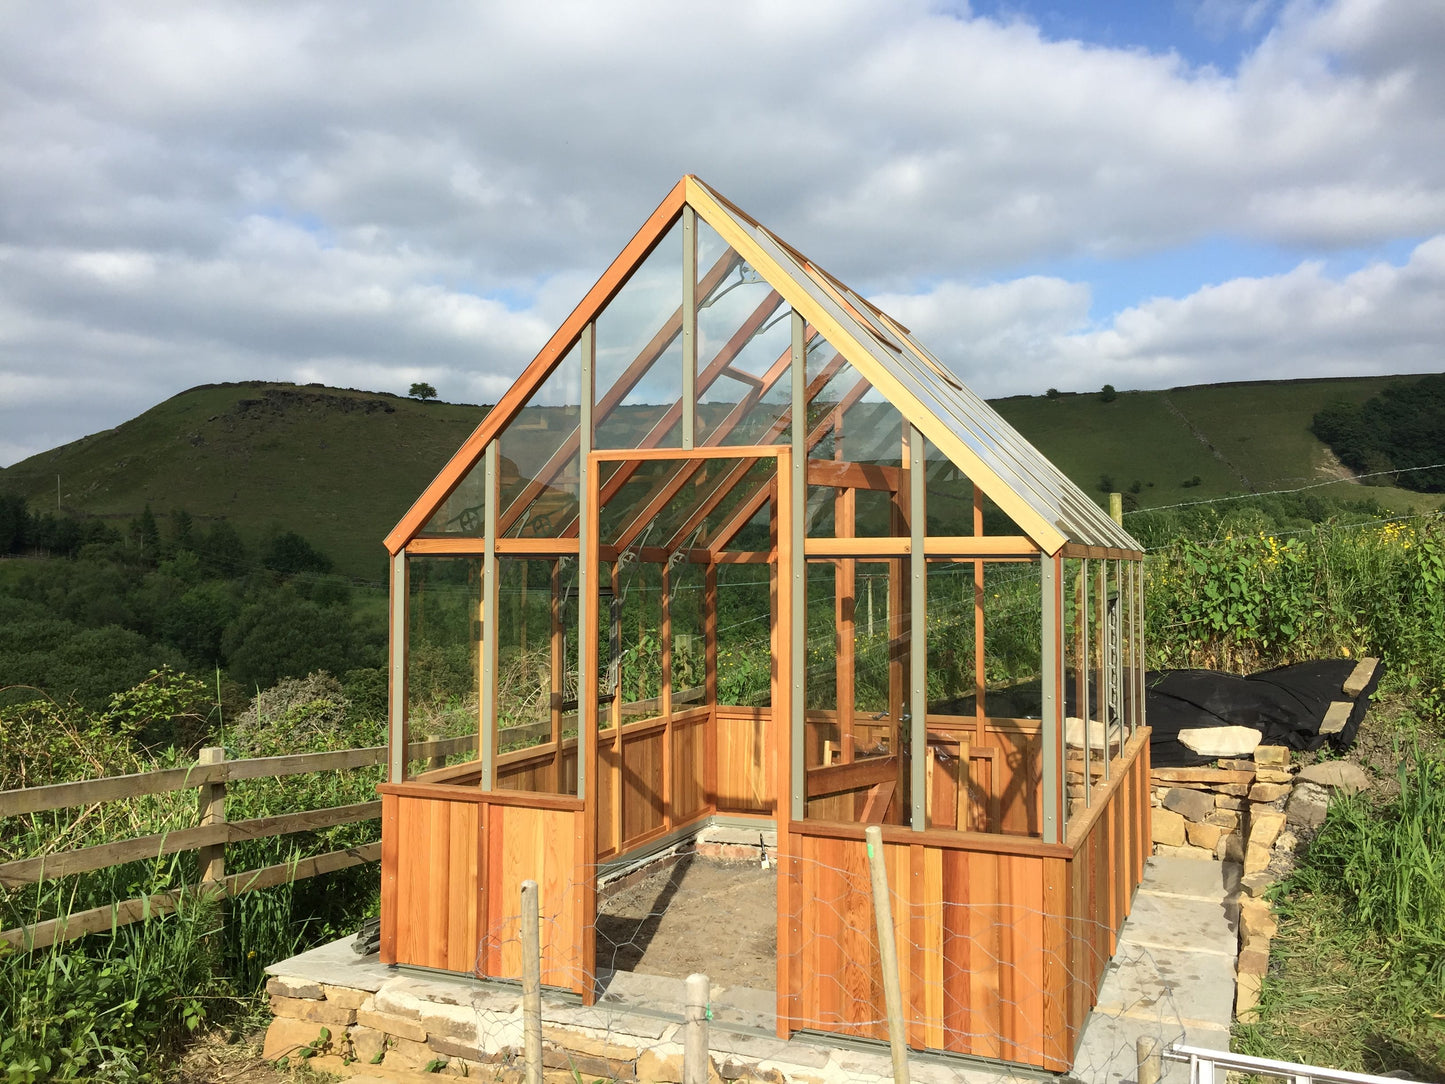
1249,812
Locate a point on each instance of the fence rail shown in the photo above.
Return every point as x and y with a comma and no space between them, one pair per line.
209,777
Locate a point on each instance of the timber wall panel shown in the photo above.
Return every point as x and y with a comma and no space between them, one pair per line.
438,886
641,784
539,845
981,942
746,763
689,792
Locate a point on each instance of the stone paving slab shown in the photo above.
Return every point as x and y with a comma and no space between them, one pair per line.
336,965
1180,922
1190,877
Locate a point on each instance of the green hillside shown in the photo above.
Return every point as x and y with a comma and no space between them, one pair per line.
340,467
1235,438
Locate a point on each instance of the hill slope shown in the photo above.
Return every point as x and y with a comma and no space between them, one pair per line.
342,466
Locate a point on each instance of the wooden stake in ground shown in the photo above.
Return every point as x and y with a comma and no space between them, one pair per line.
532,981
694,1050
887,954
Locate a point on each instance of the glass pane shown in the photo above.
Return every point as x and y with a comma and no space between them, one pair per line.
609,644
744,631
444,607
625,492
1081,729
639,354
687,591
850,423
640,659
532,753
744,344
538,468
746,486
851,744
950,495
875,649
951,674
1012,640
464,512
821,686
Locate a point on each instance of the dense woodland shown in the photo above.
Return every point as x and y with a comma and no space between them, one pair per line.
1401,428
88,610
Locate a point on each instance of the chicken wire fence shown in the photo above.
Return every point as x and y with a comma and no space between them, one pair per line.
652,1022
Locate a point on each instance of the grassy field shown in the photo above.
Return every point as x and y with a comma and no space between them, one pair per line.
1236,438
341,467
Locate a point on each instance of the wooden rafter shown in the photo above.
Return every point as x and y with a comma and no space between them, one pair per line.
634,372
706,378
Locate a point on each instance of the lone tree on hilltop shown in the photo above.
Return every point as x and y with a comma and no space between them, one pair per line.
421,390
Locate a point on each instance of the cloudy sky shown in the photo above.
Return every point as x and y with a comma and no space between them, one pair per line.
1050,192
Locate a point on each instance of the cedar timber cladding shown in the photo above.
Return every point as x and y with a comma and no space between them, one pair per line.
944,640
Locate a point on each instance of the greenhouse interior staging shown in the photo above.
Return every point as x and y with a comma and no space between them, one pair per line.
736,548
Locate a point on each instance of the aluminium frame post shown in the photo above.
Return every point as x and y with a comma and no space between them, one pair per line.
397,648
1051,766
586,675
797,575
689,327
488,736
917,633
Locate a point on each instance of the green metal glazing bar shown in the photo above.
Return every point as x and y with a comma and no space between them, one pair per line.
1083,665
689,327
798,635
1051,777
487,739
396,756
1108,662
586,678
917,633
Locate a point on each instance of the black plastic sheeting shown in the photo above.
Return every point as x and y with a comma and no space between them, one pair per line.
1286,705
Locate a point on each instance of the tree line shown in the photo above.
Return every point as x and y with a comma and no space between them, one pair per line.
98,606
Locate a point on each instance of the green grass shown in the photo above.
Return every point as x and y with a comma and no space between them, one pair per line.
1357,976
1260,432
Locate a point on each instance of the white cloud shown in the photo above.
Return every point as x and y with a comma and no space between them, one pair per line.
395,192
1031,334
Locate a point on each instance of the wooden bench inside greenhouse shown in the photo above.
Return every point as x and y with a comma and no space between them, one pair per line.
736,547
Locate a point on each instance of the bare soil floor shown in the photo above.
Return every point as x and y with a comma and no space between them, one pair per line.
700,915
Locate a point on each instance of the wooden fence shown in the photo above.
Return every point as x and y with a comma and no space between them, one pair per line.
209,776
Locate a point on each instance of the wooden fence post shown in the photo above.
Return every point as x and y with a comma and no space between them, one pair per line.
694,1050
211,859
888,954
532,981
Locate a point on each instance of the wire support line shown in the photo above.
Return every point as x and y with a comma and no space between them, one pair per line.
1281,492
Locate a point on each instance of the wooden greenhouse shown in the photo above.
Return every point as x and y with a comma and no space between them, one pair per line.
737,546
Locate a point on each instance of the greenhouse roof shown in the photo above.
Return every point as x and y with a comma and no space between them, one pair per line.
1044,504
